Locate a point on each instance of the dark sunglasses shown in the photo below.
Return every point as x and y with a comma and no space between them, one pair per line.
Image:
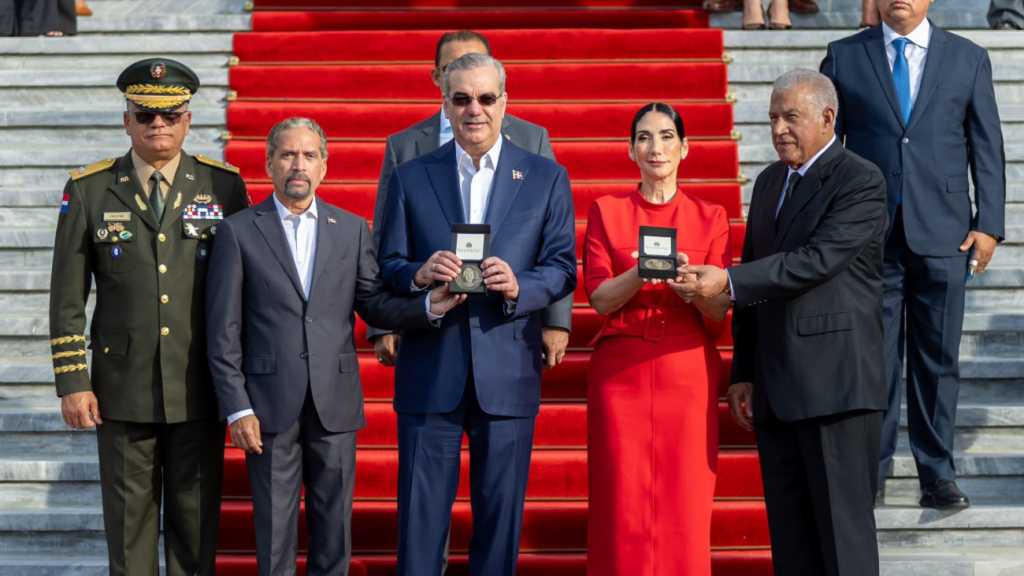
170,118
461,100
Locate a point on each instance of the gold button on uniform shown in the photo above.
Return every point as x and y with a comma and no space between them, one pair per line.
164,299
162,268
106,350
165,331
161,237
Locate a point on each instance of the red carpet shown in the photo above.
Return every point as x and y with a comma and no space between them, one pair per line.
581,69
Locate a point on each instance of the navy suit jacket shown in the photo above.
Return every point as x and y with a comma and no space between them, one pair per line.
532,229
954,131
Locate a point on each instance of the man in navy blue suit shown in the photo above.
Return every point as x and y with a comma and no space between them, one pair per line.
480,373
918,102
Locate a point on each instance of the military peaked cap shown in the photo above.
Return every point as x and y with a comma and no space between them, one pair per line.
158,84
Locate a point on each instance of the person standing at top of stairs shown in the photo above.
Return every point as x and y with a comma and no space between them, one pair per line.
919,103
143,227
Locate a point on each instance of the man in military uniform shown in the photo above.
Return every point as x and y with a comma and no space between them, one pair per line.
143,226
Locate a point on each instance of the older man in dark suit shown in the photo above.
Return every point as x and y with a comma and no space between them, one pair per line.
808,365
293,271
919,103
436,131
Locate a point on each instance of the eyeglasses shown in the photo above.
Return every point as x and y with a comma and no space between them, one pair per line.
170,118
461,100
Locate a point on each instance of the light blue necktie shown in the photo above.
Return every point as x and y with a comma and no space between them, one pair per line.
446,135
901,75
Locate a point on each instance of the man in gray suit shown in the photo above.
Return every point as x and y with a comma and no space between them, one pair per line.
427,136
291,271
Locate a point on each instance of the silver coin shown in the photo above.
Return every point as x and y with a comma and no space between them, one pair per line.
657,264
469,279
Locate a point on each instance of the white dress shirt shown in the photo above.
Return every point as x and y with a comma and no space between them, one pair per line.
300,230
916,52
475,185
445,135
802,171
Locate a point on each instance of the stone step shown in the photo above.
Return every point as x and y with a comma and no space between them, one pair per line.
87,47
172,23
759,93
112,137
812,56
100,77
69,124
59,156
53,99
753,125
22,258
767,73
952,15
54,529
121,7
101,62
756,152
949,562
796,39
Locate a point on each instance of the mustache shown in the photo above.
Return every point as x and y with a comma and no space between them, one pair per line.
299,176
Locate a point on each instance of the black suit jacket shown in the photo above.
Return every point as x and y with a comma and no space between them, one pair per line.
954,132
807,324
267,343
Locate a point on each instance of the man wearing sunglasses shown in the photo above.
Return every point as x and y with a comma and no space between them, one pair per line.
142,227
430,134
480,373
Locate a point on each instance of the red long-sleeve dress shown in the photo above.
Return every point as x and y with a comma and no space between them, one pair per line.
652,400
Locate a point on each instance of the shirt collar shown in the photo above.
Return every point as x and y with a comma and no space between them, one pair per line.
284,212
919,36
145,171
491,155
446,124
807,165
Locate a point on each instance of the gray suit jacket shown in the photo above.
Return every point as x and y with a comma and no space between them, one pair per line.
423,138
267,343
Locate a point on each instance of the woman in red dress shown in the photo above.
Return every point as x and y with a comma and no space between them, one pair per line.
652,400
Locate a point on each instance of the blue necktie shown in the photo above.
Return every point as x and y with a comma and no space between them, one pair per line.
446,135
901,75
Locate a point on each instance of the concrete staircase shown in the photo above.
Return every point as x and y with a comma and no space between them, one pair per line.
989,537
59,109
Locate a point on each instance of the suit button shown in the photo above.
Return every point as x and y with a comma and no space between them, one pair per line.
162,268
106,350
308,319
164,299
897,172
161,237
906,140
165,331
203,236
304,355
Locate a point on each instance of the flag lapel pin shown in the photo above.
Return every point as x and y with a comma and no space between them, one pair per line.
517,175
332,221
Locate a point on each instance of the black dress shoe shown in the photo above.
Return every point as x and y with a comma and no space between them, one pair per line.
1007,26
944,495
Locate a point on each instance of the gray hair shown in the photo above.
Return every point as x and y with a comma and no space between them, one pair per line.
469,62
823,91
295,122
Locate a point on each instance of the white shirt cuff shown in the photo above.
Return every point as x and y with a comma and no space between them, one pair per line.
510,307
237,415
732,293
434,318
413,287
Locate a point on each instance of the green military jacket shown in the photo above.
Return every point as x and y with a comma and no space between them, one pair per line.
148,330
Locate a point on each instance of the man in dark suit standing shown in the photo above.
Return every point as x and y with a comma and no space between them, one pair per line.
428,135
807,326
480,373
919,103
293,271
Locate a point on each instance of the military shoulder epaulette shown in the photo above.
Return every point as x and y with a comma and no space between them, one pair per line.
216,164
92,168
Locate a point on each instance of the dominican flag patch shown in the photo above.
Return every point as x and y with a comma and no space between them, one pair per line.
64,204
